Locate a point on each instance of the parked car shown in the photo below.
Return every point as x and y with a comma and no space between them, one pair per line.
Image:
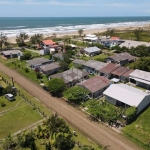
10,97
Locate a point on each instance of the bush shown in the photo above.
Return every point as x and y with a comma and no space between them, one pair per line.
56,86
3,104
7,90
39,75
130,113
26,56
26,70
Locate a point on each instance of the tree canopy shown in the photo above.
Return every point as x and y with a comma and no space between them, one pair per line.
20,39
36,39
80,32
138,33
56,86
3,41
75,94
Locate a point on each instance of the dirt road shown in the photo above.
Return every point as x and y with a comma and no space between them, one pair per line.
97,132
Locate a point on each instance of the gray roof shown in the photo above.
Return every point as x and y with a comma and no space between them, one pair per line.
140,74
95,84
126,94
70,75
130,43
58,55
50,66
79,61
122,56
38,61
97,65
9,52
92,49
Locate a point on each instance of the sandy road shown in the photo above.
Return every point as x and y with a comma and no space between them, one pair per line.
97,132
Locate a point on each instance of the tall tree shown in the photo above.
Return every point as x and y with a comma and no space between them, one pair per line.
3,41
20,39
138,33
56,86
80,32
36,39
110,32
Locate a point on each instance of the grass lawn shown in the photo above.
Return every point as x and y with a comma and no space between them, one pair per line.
11,104
139,130
100,57
17,119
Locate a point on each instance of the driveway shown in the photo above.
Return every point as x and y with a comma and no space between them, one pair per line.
97,132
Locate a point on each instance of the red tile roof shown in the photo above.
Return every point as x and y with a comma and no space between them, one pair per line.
114,38
109,68
119,71
48,42
96,83
127,73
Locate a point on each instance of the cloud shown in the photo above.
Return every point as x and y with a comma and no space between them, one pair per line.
120,5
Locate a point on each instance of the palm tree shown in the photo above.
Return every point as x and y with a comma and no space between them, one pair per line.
3,40
80,32
20,39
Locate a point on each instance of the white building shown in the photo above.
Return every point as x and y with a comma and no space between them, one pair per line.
91,37
125,95
140,78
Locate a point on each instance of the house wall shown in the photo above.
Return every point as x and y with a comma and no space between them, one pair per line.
122,78
99,92
145,102
122,63
50,72
111,100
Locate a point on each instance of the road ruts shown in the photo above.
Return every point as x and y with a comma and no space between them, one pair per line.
97,132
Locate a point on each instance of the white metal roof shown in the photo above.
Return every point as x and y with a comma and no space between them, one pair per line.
91,35
115,80
9,95
126,94
141,75
92,49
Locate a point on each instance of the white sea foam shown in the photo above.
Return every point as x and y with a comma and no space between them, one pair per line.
65,29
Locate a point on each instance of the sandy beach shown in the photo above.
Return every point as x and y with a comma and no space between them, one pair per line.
13,39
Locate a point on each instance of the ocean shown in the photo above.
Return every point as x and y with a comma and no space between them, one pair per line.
32,25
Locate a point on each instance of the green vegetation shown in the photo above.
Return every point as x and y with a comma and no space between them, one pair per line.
104,111
54,133
80,32
20,39
100,57
56,86
138,34
36,39
75,94
142,64
130,113
139,130
3,41
26,56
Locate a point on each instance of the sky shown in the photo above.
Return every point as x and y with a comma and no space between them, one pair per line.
74,8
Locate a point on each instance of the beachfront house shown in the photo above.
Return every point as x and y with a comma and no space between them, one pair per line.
92,51
37,62
90,37
50,69
71,77
11,53
96,85
48,44
125,96
140,78
121,59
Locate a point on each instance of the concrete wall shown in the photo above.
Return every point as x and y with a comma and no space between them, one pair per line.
145,102
111,100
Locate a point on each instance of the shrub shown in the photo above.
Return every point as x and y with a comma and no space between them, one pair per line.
3,104
26,70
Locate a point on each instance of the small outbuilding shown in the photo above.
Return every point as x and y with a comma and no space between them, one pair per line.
10,97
